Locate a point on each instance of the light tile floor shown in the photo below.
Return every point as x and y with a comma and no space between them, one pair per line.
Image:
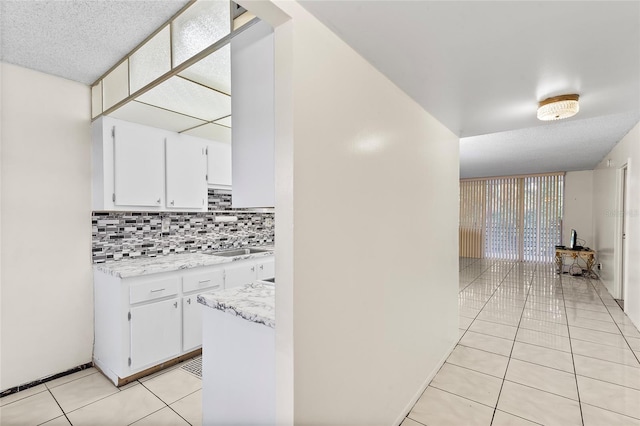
172,397
535,348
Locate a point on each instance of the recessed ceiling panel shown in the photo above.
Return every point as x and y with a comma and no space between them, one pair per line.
224,122
148,115
212,132
115,86
213,71
189,98
96,100
562,146
204,23
151,60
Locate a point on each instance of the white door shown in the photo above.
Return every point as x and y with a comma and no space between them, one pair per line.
138,166
624,233
266,269
191,323
186,173
219,163
238,275
155,332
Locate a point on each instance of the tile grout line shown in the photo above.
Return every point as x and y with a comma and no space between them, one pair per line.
460,338
573,361
495,408
614,321
60,406
167,405
485,303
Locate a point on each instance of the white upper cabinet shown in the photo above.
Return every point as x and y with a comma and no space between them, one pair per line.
138,165
252,109
219,164
186,173
142,168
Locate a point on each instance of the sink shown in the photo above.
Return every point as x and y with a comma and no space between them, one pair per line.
241,252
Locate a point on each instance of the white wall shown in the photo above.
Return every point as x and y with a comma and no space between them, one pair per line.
367,262
606,210
47,304
578,207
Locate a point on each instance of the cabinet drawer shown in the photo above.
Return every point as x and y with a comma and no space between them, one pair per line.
211,280
153,289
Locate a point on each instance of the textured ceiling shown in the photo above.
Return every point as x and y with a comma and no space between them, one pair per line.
566,146
480,67
78,40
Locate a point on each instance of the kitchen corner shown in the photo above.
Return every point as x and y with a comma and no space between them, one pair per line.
239,355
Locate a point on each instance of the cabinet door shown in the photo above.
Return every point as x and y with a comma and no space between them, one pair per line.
252,109
138,161
155,332
266,269
191,323
219,163
186,173
237,275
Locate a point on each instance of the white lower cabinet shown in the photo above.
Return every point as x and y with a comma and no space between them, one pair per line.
266,269
155,332
246,271
239,273
142,322
191,323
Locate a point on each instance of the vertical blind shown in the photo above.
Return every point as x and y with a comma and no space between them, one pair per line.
513,218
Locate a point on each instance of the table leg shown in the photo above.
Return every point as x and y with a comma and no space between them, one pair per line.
559,262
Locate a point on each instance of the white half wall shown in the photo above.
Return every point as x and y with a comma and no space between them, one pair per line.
578,207
46,283
607,211
367,264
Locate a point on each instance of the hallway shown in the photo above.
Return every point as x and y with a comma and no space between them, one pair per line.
535,348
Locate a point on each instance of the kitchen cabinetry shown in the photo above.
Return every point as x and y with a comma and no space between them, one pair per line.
144,321
142,168
211,280
244,272
186,173
219,165
138,166
155,332
266,269
252,109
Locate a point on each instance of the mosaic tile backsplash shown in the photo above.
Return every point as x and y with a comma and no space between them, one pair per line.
121,235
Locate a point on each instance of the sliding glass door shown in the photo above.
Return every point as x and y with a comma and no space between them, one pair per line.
513,218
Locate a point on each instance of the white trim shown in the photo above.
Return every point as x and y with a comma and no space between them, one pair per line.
407,409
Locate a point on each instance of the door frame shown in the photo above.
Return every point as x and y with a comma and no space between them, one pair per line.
622,190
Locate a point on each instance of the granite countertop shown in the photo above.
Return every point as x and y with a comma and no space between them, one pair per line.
173,262
253,302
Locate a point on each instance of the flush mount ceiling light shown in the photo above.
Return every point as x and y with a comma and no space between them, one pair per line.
558,107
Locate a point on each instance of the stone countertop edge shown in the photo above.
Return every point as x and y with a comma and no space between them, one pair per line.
174,262
252,302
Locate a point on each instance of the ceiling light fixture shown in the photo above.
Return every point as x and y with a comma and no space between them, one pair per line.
558,107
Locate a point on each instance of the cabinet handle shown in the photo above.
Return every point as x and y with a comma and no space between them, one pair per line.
203,281
253,268
157,290
189,300
175,304
158,201
172,202
261,266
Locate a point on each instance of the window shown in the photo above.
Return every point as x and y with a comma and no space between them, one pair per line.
514,218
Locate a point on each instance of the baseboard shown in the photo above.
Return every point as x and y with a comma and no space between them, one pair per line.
19,388
424,385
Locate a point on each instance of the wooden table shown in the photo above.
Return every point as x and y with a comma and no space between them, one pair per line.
589,257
